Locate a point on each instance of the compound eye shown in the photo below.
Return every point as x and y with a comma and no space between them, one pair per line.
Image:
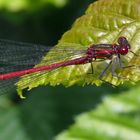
122,41
123,51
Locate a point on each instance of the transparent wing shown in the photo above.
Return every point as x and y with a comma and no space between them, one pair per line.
8,86
18,56
15,56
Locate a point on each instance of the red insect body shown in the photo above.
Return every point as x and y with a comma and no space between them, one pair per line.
77,61
97,51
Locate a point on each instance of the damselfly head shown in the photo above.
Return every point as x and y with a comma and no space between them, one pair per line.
123,42
124,45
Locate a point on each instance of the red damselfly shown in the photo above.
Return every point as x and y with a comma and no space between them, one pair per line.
18,59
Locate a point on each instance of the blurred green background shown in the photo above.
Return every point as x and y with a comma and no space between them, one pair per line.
47,111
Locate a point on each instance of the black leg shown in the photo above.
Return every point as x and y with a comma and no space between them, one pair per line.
104,71
92,70
118,61
121,64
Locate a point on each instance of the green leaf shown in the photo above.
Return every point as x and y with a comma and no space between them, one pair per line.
10,125
103,22
116,118
46,112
